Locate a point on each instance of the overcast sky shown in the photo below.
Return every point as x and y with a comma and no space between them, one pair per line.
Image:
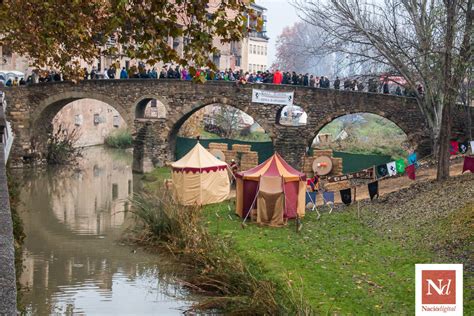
280,13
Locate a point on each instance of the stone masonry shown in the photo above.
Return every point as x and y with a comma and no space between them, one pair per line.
242,154
32,108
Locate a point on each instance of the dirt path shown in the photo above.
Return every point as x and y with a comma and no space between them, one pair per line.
393,184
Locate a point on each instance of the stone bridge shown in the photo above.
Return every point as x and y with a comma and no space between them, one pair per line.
32,108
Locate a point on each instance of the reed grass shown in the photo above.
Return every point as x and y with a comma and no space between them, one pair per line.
227,282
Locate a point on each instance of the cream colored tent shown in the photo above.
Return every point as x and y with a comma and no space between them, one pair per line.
199,178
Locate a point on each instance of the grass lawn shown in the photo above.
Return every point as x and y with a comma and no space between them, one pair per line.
342,265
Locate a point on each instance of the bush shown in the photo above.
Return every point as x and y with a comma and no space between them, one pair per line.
121,138
61,147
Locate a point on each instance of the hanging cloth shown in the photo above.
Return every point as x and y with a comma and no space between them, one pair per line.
412,159
468,164
472,146
410,170
400,165
463,147
382,170
392,168
373,190
346,196
453,147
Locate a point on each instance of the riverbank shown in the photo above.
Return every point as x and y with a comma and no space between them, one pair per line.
361,262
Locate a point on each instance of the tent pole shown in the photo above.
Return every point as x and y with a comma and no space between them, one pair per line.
251,206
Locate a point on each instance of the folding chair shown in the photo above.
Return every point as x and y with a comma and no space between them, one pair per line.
328,199
311,197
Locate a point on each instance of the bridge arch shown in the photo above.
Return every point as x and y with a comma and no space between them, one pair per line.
414,139
52,105
141,104
175,126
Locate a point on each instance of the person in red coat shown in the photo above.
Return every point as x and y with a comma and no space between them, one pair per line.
277,77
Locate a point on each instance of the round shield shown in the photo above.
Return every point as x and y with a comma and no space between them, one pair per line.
322,165
218,154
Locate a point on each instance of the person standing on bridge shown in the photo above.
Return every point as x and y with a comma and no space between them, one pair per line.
111,72
124,73
277,77
337,83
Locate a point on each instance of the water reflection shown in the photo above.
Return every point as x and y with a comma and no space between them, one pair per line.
73,263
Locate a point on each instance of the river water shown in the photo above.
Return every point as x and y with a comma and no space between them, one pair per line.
73,260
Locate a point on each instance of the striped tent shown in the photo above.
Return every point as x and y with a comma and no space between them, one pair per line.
293,185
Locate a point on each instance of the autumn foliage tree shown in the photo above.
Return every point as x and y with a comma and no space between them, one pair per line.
58,33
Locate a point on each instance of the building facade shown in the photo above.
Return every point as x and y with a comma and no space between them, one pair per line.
255,45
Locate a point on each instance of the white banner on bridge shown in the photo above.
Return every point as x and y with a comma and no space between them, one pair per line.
272,97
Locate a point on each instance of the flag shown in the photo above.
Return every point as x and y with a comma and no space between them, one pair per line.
468,164
400,165
412,159
410,170
373,189
472,146
346,196
392,168
382,170
328,197
463,147
453,147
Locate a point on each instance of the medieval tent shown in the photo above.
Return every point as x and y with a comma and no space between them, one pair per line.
273,184
199,178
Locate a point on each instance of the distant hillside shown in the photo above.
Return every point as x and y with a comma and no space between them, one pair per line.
365,133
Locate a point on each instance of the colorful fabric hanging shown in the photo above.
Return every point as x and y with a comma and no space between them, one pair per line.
468,164
410,170
373,189
412,159
382,170
463,147
472,146
453,147
346,196
400,165
328,197
392,168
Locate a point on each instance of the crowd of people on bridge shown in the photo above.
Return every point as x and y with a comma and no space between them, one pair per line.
372,84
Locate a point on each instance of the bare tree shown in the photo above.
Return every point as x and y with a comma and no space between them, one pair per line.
228,119
297,50
426,42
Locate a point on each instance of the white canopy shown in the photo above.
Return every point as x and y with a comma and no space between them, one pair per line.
198,158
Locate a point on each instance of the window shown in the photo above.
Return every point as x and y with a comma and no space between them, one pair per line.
237,61
116,121
114,191
216,59
78,120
